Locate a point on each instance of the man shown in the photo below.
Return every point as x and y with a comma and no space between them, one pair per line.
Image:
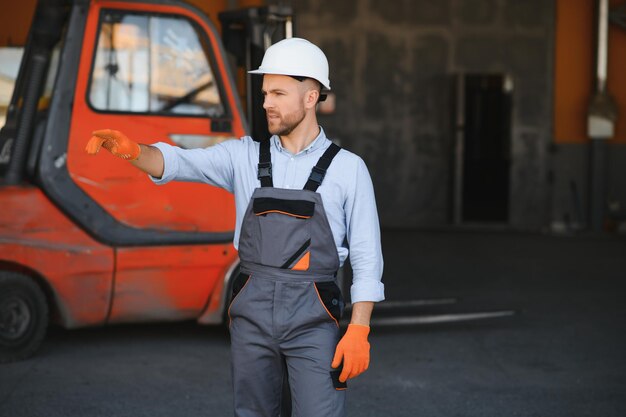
301,204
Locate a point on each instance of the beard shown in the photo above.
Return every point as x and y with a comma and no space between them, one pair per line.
285,124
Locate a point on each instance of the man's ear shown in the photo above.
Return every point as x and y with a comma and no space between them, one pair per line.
312,97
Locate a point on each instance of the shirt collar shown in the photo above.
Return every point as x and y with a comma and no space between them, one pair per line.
317,143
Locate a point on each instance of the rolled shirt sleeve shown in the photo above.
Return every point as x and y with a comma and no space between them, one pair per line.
363,235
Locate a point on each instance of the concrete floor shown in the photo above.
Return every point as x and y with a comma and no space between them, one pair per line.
561,355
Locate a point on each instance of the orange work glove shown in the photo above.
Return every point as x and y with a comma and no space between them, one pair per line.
354,349
115,142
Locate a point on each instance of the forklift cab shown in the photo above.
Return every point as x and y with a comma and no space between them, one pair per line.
90,240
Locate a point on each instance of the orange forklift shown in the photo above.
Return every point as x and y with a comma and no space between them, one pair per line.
91,241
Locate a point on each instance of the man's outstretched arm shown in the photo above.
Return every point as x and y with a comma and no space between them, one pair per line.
213,165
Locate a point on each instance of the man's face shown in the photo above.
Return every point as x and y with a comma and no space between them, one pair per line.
283,103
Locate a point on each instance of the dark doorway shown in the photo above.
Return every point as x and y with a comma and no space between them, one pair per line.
485,107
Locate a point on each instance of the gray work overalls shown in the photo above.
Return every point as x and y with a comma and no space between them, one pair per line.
286,303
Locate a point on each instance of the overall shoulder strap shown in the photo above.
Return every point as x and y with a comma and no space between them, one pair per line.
319,171
264,172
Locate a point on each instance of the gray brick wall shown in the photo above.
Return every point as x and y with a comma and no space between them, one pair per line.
392,66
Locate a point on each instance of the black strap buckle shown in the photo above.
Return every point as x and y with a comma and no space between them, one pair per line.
265,170
317,175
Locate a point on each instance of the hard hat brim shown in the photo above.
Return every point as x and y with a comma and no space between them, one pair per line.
326,86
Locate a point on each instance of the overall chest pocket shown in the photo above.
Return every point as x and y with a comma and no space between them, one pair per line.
285,229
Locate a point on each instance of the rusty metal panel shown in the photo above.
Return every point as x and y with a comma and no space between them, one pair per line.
37,237
167,283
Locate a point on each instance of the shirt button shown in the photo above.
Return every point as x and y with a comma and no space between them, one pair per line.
286,186
291,158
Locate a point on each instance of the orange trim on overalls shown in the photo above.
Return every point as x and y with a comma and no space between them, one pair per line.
283,212
303,263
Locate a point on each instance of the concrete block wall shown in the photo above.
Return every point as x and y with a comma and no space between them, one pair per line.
392,68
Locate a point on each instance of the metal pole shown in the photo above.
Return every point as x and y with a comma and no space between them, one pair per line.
459,144
288,28
603,41
601,119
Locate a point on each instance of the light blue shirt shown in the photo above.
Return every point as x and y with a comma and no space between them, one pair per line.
347,193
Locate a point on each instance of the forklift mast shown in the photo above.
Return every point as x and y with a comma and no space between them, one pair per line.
246,35
15,137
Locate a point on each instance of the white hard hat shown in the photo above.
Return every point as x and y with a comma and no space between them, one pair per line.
297,57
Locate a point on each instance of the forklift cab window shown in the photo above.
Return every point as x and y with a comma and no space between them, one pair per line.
153,64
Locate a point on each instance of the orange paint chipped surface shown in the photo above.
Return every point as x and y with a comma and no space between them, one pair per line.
145,284
167,283
35,235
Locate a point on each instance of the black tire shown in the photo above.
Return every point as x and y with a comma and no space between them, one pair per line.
23,316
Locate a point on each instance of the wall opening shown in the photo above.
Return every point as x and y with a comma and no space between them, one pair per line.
482,152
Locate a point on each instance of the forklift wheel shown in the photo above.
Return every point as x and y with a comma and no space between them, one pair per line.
23,316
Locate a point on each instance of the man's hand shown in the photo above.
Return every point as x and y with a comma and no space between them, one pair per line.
354,350
151,161
115,142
